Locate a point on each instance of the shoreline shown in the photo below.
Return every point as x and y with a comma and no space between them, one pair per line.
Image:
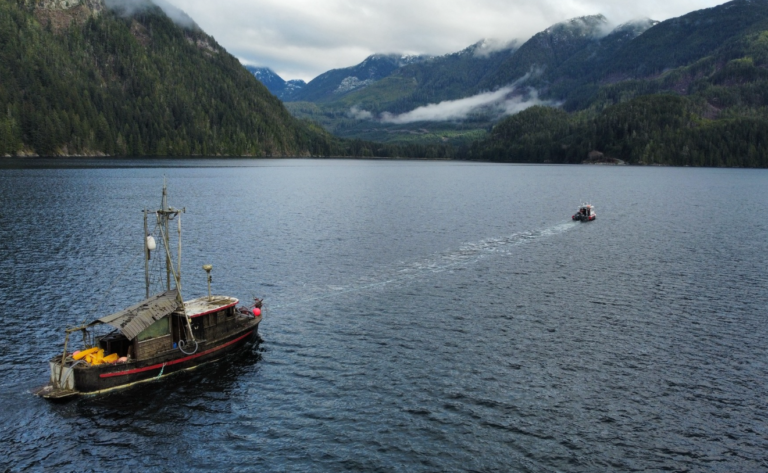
10,161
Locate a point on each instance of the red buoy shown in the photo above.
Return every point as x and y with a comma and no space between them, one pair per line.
256,312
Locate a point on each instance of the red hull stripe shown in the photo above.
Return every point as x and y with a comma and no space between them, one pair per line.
214,310
173,362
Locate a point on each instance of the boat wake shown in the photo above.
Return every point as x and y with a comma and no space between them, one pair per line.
461,258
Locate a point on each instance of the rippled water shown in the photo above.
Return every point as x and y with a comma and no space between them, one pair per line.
421,316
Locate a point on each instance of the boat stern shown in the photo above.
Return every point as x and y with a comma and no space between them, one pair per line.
61,384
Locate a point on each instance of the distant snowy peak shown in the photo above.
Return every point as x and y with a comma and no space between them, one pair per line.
486,47
348,84
581,27
394,60
408,59
294,85
336,82
264,73
378,66
274,83
634,28
597,26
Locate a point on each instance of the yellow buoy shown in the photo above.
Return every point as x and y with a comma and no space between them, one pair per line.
110,358
85,353
98,357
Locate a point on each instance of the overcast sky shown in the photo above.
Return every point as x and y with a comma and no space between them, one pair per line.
300,39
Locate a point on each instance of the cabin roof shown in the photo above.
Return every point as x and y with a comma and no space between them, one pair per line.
203,305
131,321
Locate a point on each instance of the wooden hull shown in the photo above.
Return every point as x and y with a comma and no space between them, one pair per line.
90,380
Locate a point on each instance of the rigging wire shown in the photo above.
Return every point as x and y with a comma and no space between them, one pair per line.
156,281
114,283
106,293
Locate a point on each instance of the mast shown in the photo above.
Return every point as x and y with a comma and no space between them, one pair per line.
178,255
146,253
164,216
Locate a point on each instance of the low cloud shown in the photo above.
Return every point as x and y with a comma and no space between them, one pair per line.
176,14
304,38
128,8
505,101
359,114
488,46
508,100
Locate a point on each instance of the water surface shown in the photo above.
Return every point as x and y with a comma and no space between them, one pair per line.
421,316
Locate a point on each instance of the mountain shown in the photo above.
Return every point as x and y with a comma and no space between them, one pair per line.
563,55
85,77
549,49
447,77
117,77
426,81
690,91
681,41
554,58
585,64
280,88
338,82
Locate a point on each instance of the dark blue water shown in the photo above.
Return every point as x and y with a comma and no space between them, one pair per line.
421,316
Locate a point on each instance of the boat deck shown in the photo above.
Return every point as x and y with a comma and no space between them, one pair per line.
49,392
203,305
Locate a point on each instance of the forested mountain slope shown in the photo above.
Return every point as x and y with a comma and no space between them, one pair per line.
710,111
691,91
87,80
686,39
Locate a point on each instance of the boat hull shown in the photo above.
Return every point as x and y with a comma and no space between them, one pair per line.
89,380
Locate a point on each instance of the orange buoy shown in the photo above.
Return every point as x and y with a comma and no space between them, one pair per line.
256,312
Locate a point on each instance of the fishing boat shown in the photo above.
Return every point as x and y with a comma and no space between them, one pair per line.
156,337
586,213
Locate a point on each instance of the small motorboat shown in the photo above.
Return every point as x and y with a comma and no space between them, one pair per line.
586,213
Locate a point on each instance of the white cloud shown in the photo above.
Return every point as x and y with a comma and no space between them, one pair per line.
495,104
505,101
130,7
359,114
303,38
175,13
491,45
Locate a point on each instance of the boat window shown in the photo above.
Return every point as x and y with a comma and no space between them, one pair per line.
157,329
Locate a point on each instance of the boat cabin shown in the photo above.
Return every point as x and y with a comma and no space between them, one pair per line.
586,213
157,325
